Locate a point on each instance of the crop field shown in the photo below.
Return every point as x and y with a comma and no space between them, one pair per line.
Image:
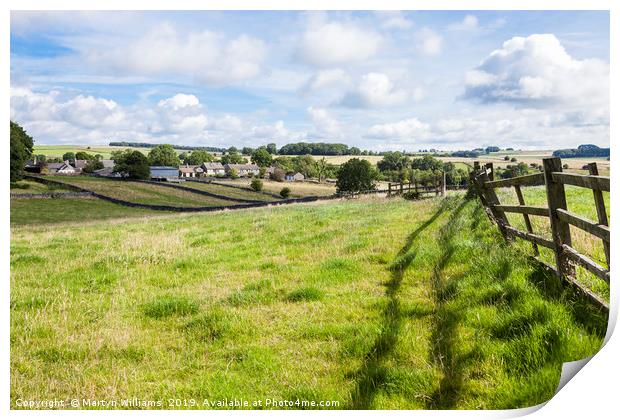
138,192
298,189
230,191
369,303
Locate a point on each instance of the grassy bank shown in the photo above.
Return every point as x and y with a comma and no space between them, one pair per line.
371,303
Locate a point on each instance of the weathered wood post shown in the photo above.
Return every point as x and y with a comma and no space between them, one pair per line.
415,185
526,218
476,166
491,201
389,189
560,230
401,188
489,165
600,207
443,184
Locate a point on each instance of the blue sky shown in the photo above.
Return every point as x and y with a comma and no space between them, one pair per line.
377,80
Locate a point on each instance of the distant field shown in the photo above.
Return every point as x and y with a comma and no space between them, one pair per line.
298,189
137,192
229,191
105,151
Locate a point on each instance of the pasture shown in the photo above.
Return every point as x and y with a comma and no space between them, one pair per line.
372,303
298,189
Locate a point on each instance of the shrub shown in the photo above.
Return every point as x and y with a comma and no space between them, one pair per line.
506,157
514,159
565,166
285,192
278,175
411,195
233,174
256,184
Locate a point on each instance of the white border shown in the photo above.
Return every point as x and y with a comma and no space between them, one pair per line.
592,393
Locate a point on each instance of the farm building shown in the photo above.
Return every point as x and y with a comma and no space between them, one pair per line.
294,176
243,169
78,164
60,168
213,168
164,173
190,171
107,163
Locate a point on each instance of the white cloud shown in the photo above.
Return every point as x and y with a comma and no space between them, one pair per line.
394,20
325,79
411,130
208,57
324,124
537,70
469,22
178,101
332,43
376,90
428,42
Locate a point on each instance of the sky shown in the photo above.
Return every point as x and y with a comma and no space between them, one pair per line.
410,80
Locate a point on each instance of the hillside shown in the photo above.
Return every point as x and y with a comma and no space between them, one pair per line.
369,303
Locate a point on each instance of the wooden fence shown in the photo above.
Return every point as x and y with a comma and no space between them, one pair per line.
438,187
483,182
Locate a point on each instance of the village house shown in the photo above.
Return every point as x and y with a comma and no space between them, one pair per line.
294,176
242,169
190,171
63,168
213,169
78,164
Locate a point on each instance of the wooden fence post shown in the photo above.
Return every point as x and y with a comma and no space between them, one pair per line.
600,207
489,165
526,218
401,188
443,184
491,201
560,230
389,189
415,185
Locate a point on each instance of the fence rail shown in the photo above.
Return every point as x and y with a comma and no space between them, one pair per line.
438,187
552,177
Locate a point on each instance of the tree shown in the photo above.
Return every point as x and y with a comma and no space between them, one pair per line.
84,156
68,156
491,149
256,184
393,161
132,164
427,163
198,157
163,155
261,157
506,157
93,166
21,150
247,151
321,168
278,175
232,158
514,159
272,148
233,174
356,175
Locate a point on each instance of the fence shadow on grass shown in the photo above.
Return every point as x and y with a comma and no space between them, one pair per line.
372,375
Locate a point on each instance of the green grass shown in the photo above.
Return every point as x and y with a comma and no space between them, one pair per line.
34,212
372,303
138,192
298,189
230,191
32,187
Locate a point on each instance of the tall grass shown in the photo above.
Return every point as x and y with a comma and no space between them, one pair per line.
372,303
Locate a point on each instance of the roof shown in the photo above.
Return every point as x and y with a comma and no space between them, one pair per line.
54,165
107,163
244,166
188,169
162,168
213,165
80,163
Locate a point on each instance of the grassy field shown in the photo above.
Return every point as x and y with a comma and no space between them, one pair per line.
138,192
371,303
298,189
230,191
32,187
73,211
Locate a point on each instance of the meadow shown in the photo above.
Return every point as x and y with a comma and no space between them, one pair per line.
371,303
298,189
139,192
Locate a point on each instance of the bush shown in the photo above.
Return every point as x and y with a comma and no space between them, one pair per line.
285,192
256,184
514,159
411,195
565,166
20,186
356,175
506,157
